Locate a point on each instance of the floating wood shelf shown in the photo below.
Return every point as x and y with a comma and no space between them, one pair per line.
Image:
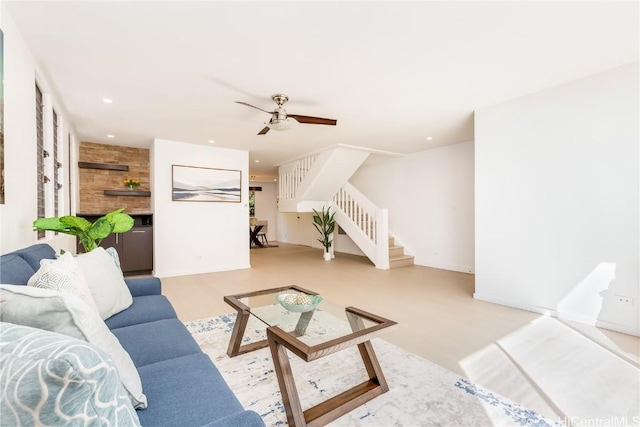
139,193
108,166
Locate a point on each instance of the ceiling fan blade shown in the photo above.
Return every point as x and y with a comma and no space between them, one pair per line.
263,131
313,120
253,106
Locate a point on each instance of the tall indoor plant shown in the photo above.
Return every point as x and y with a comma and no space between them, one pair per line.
325,224
90,234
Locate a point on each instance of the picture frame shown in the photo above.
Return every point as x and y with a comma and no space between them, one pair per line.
200,184
2,181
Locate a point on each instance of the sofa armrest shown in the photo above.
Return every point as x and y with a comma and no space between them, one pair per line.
144,286
240,419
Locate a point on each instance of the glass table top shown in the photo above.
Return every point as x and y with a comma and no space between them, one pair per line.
324,323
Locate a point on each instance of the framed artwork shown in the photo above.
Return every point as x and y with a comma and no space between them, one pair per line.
1,117
196,184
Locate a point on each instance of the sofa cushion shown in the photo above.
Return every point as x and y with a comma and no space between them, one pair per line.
68,314
153,342
194,383
238,419
141,286
63,275
34,253
54,379
144,309
14,270
106,282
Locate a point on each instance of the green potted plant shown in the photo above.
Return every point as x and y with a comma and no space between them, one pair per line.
88,233
325,224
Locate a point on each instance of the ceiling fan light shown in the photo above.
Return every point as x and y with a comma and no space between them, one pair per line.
279,125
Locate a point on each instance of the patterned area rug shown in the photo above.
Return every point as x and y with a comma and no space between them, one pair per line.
421,392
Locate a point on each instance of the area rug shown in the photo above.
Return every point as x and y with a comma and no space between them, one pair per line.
421,392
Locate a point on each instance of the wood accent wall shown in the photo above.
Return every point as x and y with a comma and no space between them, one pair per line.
93,182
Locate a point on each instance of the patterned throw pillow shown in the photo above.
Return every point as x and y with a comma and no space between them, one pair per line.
53,379
63,275
113,253
66,314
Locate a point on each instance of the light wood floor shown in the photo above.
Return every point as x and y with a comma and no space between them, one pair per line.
437,315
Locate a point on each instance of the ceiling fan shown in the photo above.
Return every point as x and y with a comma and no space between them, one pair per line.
279,116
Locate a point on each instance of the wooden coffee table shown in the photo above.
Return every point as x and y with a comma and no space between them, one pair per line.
310,336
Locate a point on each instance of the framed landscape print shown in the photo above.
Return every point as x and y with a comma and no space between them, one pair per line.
1,117
196,184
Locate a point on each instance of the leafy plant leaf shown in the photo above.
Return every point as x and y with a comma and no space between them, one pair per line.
121,223
100,229
53,224
76,223
89,234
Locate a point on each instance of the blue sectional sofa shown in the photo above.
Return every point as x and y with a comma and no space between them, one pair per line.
182,385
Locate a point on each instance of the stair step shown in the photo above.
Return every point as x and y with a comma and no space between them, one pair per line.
396,251
401,261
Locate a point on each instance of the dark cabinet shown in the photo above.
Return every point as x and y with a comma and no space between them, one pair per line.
137,250
135,247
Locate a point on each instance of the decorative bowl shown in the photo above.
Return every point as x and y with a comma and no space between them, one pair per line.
299,308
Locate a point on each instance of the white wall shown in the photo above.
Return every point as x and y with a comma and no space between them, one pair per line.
557,200
430,200
343,243
197,237
296,228
20,208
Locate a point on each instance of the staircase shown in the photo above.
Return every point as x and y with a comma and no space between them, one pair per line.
397,257
320,180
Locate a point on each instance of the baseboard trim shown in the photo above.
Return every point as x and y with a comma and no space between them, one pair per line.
162,274
508,303
551,312
450,267
618,328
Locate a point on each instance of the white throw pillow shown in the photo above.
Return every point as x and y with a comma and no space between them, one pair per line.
105,281
64,275
65,313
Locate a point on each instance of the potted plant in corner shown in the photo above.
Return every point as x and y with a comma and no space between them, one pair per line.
325,224
88,233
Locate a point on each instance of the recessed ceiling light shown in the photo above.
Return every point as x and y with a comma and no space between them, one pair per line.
107,100
211,141
110,136
429,138
256,161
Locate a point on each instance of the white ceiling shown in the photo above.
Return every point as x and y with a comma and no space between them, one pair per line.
391,73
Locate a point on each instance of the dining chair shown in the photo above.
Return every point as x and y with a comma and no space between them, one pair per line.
262,234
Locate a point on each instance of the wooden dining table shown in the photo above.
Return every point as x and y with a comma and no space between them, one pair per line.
253,235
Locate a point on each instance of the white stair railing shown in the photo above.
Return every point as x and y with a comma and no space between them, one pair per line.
293,175
364,222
